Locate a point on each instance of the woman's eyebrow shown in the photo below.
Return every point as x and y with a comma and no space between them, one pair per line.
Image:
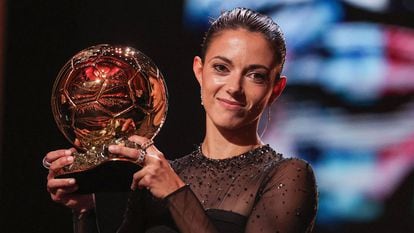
225,59
250,67
257,66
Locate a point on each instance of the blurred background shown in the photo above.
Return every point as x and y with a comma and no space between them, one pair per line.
348,108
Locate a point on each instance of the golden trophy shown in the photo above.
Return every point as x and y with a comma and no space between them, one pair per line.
101,96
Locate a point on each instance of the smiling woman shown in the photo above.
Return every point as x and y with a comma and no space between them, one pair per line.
237,86
233,182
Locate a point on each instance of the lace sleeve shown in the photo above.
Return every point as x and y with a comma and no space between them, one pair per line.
288,201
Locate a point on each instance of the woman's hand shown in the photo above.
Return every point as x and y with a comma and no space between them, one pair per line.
156,175
61,190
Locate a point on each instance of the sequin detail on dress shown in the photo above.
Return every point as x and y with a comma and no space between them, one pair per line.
260,190
221,183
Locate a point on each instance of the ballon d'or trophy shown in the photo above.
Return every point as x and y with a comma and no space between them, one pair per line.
103,95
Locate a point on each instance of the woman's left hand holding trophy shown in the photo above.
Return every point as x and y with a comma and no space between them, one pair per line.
62,190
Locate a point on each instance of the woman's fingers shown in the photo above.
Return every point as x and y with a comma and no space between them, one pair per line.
54,155
151,153
63,190
60,163
156,174
78,203
124,151
149,176
66,191
60,188
57,159
138,177
54,184
142,141
138,139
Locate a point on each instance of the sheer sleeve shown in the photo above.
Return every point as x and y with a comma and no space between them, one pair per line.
256,192
134,214
287,203
185,209
85,223
188,213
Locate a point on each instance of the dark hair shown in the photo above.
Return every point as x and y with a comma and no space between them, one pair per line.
251,21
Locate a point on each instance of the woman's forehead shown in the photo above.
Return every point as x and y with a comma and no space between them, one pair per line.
240,43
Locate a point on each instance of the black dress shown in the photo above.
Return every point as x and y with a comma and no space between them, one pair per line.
258,191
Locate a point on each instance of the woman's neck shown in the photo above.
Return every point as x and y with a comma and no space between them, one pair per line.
224,143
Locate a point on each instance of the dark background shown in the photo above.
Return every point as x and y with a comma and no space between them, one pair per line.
40,37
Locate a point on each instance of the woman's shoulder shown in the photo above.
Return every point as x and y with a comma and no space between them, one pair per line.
293,171
294,163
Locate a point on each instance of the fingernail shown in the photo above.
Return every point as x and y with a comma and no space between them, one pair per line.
69,159
71,181
68,152
112,148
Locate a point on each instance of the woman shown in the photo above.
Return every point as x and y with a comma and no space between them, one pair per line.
233,182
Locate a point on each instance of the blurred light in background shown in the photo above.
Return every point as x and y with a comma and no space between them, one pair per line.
349,106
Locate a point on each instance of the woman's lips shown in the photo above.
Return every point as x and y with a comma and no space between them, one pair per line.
231,104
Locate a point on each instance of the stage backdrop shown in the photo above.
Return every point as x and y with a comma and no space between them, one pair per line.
348,108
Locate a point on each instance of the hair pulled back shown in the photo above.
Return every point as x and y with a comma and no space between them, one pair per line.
243,18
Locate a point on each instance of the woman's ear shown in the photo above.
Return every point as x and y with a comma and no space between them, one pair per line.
277,89
198,69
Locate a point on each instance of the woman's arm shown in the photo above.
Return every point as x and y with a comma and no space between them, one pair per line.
85,222
158,177
134,214
188,213
288,201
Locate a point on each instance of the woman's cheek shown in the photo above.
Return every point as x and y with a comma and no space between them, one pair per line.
219,80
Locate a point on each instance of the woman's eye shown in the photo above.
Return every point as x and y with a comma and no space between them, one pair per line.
220,68
258,77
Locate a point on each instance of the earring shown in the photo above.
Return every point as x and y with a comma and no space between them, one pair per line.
201,96
267,122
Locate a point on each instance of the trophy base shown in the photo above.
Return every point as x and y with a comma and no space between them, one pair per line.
109,176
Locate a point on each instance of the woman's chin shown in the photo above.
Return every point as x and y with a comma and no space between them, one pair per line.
235,126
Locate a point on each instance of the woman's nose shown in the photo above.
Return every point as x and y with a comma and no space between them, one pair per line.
235,84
